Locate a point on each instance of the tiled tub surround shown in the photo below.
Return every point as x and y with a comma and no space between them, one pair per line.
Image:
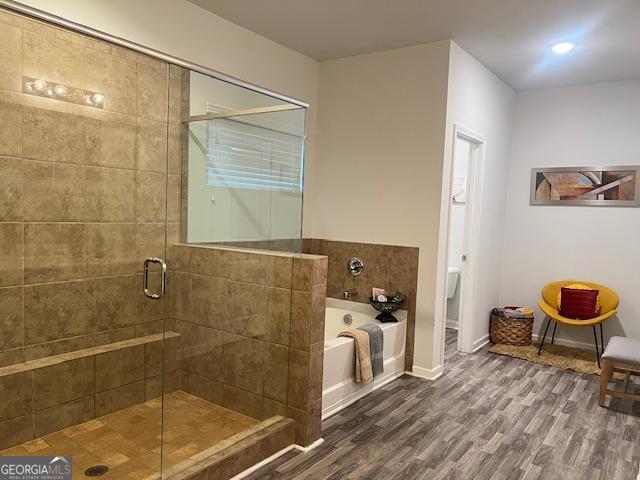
252,330
385,266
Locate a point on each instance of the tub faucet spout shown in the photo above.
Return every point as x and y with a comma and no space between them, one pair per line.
350,293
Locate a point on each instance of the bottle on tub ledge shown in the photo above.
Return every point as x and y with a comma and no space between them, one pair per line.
386,303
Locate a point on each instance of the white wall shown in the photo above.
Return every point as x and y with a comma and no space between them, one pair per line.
381,130
481,102
189,32
576,126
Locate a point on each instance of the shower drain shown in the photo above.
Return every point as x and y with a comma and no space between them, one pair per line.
96,470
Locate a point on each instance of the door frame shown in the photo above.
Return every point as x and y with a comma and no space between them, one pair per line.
469,274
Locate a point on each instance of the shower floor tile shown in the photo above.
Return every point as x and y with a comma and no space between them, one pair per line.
128,441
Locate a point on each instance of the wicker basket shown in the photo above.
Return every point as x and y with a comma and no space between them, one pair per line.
510,331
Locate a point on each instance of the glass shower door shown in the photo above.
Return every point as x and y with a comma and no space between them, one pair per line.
83,202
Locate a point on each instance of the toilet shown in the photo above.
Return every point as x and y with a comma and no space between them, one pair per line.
453,273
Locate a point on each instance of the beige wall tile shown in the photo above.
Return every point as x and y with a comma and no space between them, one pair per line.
244,360
314,422
54,136
203,261
151,149
152,90
53,192
280,271
278,316
276,372
298,378
180,258
62,383
111,303
16,431
54,311
52,59
318,310
176,134
114,77
11,182
316,357
151,197
202,350
53,252
246,312
11,254
244,266
111,249
299,333
180,295
173,198
119,367
63,416
208,301
11,357
202,387
243,402
112,144
119,398
147,309
11,318
302,273
271,408
111,197
162,357
110,336
10,58
10,129
16,392
41,350
150,242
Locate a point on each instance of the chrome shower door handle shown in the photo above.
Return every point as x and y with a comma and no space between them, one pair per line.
163,278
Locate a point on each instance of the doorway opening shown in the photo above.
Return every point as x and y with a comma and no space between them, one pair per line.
462,253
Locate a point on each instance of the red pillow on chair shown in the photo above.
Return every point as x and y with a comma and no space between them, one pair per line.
579,304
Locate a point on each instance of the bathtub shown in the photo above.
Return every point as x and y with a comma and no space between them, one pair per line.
339,388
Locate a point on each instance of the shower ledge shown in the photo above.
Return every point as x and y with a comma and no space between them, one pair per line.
85,352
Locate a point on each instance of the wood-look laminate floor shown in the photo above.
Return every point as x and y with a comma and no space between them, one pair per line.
487,417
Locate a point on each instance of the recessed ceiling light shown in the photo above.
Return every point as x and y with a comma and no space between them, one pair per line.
562,47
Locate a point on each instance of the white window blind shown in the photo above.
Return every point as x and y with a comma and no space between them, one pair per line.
245,155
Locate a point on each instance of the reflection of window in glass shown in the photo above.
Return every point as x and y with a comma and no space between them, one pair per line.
247,152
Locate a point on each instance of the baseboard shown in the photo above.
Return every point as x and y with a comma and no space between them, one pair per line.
314,445
264,462
276,455
426,373
452,324
565,342
480,343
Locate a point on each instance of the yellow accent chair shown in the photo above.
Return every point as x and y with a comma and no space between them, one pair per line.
608,299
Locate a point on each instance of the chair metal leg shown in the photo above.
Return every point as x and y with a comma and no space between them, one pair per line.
555,325
595,338
601,340
545,335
